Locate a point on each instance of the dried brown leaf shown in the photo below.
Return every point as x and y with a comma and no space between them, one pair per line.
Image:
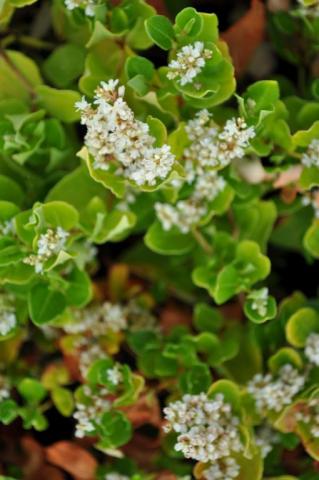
246,35
145,410
73,459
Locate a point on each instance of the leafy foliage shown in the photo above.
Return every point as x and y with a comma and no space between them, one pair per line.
151,211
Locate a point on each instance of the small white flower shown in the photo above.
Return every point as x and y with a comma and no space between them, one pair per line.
259,300
8,319
114,375
115,476
213,146
207,429
8,322
266,438
311,156
98,319
86,5
312,348
116,138
50,243
190,61
87,415
4,388
275,393
6,227
224,469
187,213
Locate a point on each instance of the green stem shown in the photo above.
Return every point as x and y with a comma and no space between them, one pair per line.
201,240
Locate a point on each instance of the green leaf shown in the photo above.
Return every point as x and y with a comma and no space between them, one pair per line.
109,179
196,379
170,242
161,31
116,227
57,214
8,411
18,85
77,188
157,130
283,357
230,391
303,138
31,390
188,23
300,325
63,401
207,318
255,220
137,65
248,267
79,290
311,239
309,178
59,103
254,316
64,65
10,190
264,95
45,304
116,429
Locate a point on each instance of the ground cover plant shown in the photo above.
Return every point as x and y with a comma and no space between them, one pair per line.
159,239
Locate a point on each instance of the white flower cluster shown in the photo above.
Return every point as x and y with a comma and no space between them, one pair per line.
312,199
98,319
87,414
213,146
190,61
224,469
259,300
8,319
115,476
114,375
207,429
275,393
115,135
140,318
309,415
311,157
312,348
189,212
49,244
4,388
89,352
86,5
265,439
6,227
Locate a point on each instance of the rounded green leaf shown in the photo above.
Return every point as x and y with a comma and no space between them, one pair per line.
31,390
59,103
170,242
311,239
283,357
45,304
161,31
188,23
300,325
116,429
57,214
63,400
